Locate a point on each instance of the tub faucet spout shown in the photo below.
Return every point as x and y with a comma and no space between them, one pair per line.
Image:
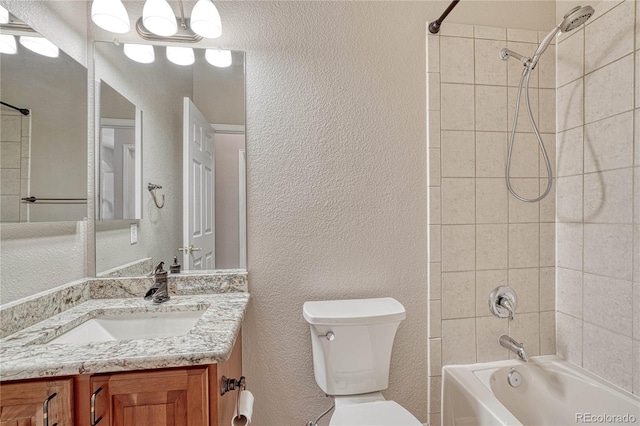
513,346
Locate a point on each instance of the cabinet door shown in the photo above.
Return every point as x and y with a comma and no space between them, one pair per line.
176,397
23,403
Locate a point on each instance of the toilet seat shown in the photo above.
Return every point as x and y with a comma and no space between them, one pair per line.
378,413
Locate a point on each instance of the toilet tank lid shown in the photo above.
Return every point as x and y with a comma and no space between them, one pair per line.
354,311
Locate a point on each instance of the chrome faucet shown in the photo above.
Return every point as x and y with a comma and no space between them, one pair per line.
513,346
159,292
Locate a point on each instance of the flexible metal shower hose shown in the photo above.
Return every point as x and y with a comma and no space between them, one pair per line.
526,75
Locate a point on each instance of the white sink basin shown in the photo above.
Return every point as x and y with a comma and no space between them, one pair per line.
130,326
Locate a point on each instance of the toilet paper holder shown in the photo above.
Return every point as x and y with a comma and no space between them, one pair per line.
228,385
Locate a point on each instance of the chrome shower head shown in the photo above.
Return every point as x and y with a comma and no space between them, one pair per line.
576,17
572,20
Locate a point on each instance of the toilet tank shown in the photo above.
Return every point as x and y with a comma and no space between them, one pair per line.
351,342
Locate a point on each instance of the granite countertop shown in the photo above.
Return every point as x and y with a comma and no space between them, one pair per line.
25,354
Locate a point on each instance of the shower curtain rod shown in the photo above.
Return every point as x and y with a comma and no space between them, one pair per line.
23,111
434,27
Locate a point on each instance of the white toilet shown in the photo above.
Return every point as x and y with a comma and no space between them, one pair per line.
352,342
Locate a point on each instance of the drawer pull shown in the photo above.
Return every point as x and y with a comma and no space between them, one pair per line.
45,410
93,420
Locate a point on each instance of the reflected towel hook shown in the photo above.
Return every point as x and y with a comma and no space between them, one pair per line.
152,189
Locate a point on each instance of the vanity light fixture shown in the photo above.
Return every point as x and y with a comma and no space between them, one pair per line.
142,53
8,44
40,45
110,15
158,17
4,15
158,21
218,58
180,55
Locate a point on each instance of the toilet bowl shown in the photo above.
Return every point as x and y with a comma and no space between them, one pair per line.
370,410
352,342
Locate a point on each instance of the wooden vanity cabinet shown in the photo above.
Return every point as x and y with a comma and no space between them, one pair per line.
25,403
181,396
176,397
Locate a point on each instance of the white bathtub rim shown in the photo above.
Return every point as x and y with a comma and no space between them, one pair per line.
464,375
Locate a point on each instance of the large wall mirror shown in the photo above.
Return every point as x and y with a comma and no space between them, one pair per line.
192,159
44,129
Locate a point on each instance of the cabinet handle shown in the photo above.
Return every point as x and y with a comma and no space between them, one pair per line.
93,420
45,409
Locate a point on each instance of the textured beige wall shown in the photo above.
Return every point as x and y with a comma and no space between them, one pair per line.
337,176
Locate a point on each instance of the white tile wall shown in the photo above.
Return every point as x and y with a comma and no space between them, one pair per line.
608,355
457,65
610,37
608,250
609,90
491,153
569,337
569,152
487,238
608,143
457,106
598,303
458,154
597,255
608,196
570,58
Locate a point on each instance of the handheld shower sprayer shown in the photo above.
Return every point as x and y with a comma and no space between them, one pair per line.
572,20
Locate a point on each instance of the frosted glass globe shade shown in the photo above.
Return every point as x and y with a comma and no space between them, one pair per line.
180,55
218,58
110,15
158,17
205,19
40,45
142,53
4,15
8,44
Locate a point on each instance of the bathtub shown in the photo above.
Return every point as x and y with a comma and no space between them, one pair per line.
552,392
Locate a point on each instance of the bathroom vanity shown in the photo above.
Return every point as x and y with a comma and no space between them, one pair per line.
140,363
188,396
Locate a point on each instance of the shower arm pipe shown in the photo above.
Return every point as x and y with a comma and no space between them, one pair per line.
23,111
434,27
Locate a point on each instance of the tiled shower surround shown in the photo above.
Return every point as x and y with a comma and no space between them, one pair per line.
598,204
582,302
15,142
480,236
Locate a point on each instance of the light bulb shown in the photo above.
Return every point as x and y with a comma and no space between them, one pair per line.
158,17
4,15
110,15
205,19
142,53
218,58
180,55
40,45
8,44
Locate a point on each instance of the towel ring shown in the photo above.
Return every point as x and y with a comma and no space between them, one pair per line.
152,189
